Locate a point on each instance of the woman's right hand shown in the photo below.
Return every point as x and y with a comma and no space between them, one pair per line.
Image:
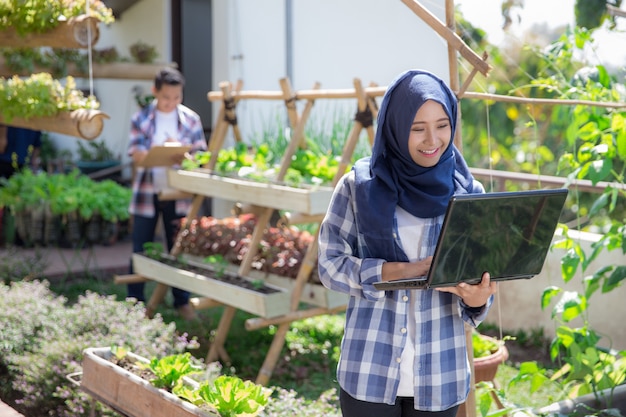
400,270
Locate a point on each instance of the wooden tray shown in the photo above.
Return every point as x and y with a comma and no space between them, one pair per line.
312,293
310,200
261,304
129,394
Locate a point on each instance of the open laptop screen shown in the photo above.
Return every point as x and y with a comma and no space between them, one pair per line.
507,234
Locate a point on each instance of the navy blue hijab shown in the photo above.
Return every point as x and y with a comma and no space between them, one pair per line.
390,177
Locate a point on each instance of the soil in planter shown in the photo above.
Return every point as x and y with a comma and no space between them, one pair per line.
131,366
225,277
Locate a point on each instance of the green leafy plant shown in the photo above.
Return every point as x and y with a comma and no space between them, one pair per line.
218,262
40,95
153,250
230,396
94,151
43,15
596,141
170,369
143,53
484,346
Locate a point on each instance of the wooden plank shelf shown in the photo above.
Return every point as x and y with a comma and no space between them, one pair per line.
254,302
77,32
113,70
311,200
128,393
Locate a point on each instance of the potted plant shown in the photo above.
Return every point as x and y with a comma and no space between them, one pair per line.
489,353
95,156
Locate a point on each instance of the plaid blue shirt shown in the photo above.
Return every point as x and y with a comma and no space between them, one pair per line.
190,132
376,321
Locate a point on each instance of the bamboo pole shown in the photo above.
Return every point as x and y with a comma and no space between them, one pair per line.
217,347
547,101
75,33
374,91
615,11
82,123
201,303
257,323
363,108
452,38
129,279
289,97
297,137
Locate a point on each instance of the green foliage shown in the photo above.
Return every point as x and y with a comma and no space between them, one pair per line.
40,95
43,337
231,396
308,166
143,53
94,151
591,14
169,370
66,193
40,16
153,250
484,346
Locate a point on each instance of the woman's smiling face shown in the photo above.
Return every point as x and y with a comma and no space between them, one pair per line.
430,134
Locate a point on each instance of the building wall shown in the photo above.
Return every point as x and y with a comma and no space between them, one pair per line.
518,303
116,97
333,42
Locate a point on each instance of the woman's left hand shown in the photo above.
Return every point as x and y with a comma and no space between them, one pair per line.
474,295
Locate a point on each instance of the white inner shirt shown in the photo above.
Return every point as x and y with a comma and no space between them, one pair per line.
166,127
411,233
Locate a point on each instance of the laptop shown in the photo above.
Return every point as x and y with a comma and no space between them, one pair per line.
507,234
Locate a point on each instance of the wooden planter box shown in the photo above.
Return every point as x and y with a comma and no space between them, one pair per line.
129,394
261,304
77,32
311,200
313,293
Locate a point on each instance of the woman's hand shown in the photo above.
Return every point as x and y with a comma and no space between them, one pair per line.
399,270
474,295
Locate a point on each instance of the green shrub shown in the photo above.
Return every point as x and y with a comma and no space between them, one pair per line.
43,338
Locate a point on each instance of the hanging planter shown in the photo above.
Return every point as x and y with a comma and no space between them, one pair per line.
77,32
81,123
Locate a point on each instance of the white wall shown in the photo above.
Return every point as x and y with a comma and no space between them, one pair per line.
334,41
518,303
146,21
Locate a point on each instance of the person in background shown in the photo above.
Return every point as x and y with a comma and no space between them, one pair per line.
19,148
166,119
403,352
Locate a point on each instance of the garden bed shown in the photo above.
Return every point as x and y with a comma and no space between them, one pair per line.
253,296
306,200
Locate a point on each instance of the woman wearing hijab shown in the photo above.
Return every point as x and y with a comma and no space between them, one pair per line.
403,352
